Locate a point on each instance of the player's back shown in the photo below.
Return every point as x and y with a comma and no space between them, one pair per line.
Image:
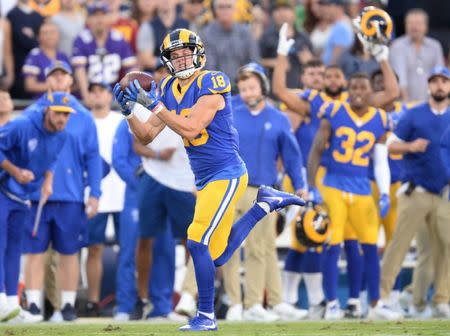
213,154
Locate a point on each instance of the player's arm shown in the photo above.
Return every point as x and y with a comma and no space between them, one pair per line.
381,166
279,88
319,145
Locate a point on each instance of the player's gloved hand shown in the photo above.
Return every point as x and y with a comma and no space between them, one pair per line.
314,195
379,51
384,203
125,107
136,93
284,44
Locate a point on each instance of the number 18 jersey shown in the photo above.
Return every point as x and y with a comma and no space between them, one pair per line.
214,153
352,142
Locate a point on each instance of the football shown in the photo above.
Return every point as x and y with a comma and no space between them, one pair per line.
144,79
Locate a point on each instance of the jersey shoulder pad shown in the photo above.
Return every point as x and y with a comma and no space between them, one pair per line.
329,109
163,84
213,82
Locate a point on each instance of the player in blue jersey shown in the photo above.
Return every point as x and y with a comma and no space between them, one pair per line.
196,105
354,131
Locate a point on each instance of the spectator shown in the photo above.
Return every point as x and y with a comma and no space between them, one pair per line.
341,33
112,187
299,54
357,59
6,55
46,8
126,25
40,58
192,10
144,12
229,45
70,22
6,107
316,26
414,55
25,24
99,53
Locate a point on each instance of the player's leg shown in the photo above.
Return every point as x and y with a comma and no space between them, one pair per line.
312,276
336,204
354,257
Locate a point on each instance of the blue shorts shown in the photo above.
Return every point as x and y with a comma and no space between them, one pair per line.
97,227
159,205
64,224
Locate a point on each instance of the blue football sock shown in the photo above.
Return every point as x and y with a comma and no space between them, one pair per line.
331,271
354,267
312,262
372,270
205,272
240,231
293,262
397,284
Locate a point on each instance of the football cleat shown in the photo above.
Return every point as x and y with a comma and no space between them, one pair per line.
333,311
200,323
277,199
353,309
383,312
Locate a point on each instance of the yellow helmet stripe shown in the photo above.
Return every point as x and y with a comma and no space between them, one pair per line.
372,30
184,35
166,41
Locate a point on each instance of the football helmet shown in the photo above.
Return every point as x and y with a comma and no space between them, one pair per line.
259,71
183,38
374,25
312,226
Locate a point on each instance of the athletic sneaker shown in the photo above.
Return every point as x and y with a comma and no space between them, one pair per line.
25,317
333,311
317,312
68,313
257,313
353,310
441,310
186,305
383,312
56,317
234,313
200,323
288,312
7,313
277,199
141,309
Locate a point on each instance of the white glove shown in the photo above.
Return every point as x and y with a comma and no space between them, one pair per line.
379,51
284,44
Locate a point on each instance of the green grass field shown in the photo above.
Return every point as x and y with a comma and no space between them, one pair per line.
362,328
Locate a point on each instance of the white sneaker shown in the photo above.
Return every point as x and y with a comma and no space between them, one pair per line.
383,312
405,300
441,310
423,314
56,317
257,313
25,316
353,309
333,311
122,317
234,313
7,314
186,305
317,312
288,312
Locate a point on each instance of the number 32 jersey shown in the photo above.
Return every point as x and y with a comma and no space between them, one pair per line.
352,142
214,153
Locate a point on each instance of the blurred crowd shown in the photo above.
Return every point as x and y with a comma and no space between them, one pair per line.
86,46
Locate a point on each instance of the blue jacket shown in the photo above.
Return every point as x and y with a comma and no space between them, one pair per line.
262,139
125,160
80,164
27,144
445,152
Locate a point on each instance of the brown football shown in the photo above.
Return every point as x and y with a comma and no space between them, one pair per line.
145,79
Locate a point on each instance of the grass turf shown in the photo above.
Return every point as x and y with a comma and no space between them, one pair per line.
360,328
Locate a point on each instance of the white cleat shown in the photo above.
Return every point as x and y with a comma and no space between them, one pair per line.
405,300
122,317
56,317
7,314
187,305
333,311
420,314
441,310
353,310
25,317
257,313
383,312
288,312
234,313
317,312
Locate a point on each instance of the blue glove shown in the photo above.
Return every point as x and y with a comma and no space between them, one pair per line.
384,203
122,100
136,93
314,196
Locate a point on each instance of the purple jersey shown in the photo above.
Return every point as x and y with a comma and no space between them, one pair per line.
37,61
102,64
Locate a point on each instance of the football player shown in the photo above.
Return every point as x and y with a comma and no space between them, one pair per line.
196,105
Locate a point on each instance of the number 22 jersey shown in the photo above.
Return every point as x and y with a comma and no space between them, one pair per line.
214,153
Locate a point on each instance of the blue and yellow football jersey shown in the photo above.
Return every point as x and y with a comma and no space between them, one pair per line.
351,145
213,155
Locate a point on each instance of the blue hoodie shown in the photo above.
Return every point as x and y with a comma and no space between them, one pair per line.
125,160
262,139
27,144
79,156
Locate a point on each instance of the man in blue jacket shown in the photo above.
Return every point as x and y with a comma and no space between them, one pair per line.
64,217
29,148
264,135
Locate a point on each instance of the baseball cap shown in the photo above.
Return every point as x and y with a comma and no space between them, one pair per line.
59,102
58,65
97,6
103,85
439,71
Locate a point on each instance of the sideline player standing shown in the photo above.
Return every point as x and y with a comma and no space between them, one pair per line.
196,105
